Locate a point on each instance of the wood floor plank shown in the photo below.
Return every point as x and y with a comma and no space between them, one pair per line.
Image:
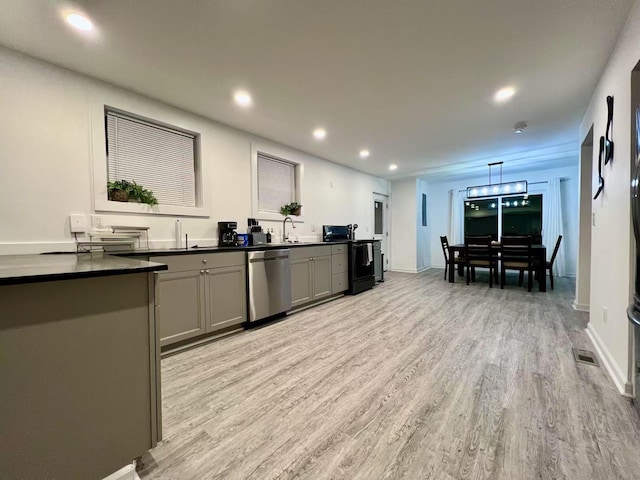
417,379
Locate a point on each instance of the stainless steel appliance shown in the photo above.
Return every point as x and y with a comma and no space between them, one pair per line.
227,236
269,277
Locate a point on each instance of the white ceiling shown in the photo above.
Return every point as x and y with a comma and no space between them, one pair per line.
411,80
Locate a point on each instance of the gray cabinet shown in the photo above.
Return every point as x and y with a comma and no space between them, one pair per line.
310,274
181,305
321,276
199,294
339,269
226,304
301,281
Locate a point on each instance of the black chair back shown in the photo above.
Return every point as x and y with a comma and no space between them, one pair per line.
516,248
478,247
445,248
555,250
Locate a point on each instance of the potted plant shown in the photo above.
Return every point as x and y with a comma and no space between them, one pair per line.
292,208
125,191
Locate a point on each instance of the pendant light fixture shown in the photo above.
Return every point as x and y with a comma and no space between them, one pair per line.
497,189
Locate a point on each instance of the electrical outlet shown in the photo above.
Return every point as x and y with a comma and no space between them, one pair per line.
604,314
313,228
97,221
77,223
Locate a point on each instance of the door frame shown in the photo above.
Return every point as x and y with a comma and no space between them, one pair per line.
386,243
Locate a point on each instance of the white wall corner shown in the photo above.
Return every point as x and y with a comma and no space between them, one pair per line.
580,307
619,378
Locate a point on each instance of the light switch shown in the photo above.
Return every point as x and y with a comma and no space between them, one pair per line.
77,223
593,218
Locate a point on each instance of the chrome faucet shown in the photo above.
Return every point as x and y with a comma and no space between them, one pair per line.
284,228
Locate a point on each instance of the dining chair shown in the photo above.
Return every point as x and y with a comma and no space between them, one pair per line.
478,253
516,254
457,259
553,259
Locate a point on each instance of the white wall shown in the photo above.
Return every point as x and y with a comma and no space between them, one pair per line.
611,239
46,157
403,225
440,208
423,239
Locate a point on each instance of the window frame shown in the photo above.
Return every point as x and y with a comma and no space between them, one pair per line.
535,188
154,115
285,155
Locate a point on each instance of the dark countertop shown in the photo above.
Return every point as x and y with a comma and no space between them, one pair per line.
18,269
155,252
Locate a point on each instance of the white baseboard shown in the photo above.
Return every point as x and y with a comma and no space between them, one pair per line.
619,378
409,270
125,473
580,307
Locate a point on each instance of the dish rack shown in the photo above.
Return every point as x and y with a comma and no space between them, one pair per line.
119,238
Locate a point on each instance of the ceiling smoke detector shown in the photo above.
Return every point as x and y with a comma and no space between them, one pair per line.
520,126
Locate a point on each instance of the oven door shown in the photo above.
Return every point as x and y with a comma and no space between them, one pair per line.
362,262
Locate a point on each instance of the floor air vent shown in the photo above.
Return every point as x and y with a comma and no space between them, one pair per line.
585,356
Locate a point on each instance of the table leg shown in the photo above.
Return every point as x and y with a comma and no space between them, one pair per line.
452,267
542,271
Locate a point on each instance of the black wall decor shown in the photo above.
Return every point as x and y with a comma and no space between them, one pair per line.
605,151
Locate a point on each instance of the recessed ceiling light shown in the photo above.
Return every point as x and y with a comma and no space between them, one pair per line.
319,133
393,166
504,94
80,22
364,153
519,127
242,98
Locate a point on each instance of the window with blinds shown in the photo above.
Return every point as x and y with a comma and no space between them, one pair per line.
276,183
159,158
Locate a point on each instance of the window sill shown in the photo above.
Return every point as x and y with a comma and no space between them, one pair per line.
143,209
277,217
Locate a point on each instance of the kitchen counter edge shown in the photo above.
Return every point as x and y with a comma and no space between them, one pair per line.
23,269
190,251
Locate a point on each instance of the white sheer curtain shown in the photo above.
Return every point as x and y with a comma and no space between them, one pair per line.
553,225
456,233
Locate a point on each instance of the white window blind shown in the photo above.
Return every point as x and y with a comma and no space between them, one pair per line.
160,159
276,183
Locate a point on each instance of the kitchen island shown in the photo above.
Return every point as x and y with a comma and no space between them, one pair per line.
79,364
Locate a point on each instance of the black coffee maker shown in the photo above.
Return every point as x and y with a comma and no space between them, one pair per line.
227,234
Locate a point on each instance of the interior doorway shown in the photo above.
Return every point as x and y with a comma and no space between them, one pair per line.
381,224
583,277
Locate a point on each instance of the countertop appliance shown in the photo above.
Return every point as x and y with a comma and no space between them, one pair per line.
335,233
227,236
269,278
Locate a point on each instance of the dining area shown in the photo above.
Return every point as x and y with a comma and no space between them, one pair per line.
522,253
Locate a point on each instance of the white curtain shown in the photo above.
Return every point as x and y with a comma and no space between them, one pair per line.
456,234
553,225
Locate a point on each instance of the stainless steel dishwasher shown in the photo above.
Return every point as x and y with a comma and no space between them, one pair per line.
269,283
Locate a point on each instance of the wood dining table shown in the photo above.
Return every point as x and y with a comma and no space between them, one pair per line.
539,253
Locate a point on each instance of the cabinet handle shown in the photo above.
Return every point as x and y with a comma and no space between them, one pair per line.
204,261
339,263
201,271
206,272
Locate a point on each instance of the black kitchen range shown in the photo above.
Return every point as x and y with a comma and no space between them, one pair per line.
361,257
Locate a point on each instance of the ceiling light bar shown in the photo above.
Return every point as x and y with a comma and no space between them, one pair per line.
498,189
518,187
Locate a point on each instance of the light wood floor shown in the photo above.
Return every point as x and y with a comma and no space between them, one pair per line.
416,379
